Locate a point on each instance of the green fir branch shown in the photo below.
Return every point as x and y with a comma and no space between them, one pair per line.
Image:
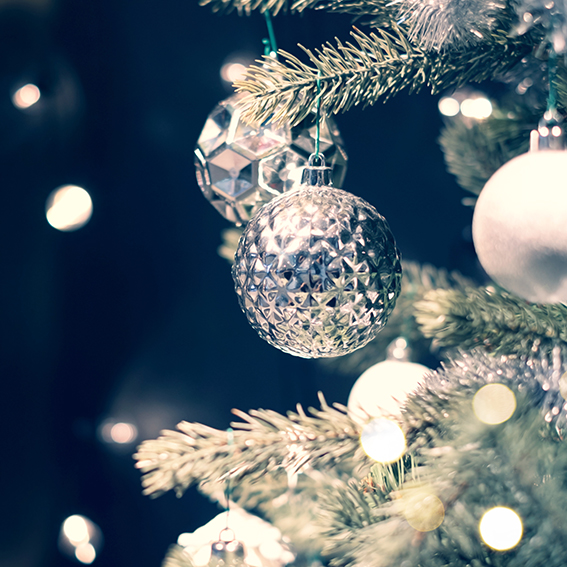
377,11
376,67
474,151
177,557
492,318
262,443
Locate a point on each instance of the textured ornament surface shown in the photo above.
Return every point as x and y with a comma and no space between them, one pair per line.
317,272
240,167
520,226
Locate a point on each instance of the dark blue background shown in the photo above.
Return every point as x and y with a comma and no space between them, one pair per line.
134,316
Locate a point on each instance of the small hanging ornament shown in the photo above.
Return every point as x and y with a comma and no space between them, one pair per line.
317,270
520,220
227,551
241,167
383,388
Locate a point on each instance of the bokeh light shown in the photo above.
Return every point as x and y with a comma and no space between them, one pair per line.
119,432
448,106
26,96
494,403
85,553
422,509
478,108
383,440
232,71
68,208
80,539
76,529
563,386
501,528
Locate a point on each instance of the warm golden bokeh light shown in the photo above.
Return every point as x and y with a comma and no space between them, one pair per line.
85,553
26,96
494,403
501,528
68,208
478,108
422,509
448,106
76,529
383,440
232,71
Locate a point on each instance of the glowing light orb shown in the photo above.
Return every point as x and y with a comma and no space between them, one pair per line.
85,553
494,403
422,509
383,388
501,528
232,71
448,106
383,440
26,96
478,108
80,538
68,208
76,529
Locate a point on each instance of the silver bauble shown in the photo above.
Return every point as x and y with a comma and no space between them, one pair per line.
317,272
520,226
241,167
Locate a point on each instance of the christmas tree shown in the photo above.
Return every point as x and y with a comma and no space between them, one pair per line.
479,474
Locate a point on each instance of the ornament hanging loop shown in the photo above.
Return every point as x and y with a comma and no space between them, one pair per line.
317,175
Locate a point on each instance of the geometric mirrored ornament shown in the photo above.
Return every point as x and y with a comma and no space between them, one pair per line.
241,167
317,272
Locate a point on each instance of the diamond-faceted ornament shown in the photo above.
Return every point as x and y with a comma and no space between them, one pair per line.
241,167
317,272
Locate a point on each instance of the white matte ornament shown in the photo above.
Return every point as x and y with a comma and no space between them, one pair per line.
520,226
383,388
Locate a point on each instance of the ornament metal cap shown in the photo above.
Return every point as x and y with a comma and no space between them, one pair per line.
317,175
550,133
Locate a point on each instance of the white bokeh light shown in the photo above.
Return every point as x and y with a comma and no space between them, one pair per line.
383,440
80,538
383,388
501,528
448,106
68,208
85,553
26,96
494,404
76,529
232,71
477,108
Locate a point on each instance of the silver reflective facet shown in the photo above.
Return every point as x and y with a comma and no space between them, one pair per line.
242,167
317,272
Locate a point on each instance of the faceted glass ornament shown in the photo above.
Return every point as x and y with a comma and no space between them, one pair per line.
317,272
242,167
227,554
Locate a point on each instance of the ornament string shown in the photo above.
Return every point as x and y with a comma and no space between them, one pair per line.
318,117
227,487
552,72
270,45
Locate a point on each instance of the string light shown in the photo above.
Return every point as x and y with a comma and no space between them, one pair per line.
383,440
68,208
501,528
494,403
26,96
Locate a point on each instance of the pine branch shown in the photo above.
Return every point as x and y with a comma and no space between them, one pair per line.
379,66
263,442
491,318
378,11
473,152
176,557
